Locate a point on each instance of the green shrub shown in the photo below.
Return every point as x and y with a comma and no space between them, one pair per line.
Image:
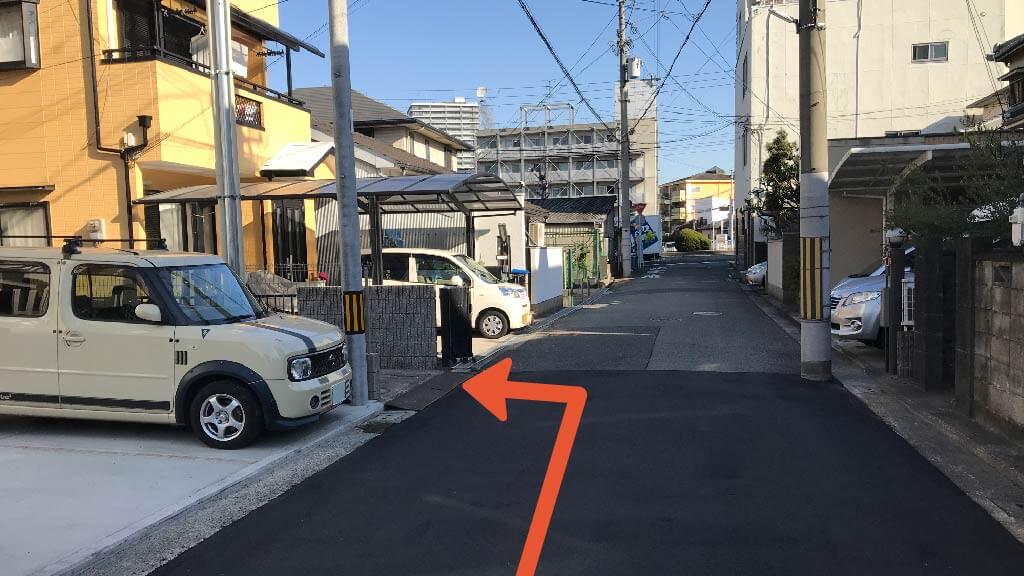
688,240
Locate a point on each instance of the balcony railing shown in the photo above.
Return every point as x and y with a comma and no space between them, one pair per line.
155,53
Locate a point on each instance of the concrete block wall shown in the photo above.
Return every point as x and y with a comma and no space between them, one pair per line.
401,323
999,340
401,326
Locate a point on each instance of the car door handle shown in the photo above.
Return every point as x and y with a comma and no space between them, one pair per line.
73,338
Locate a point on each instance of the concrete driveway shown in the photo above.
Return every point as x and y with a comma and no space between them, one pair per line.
73,488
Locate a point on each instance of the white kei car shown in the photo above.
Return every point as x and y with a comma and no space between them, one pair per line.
154,336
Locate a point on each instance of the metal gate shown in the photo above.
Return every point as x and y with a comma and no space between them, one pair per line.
456,325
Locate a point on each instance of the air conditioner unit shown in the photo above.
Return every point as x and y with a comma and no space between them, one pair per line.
537,231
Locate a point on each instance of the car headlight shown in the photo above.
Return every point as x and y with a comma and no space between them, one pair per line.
512,292
300,369
859,297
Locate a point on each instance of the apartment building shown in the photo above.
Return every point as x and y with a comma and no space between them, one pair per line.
897,69
109,100
459,118
703,201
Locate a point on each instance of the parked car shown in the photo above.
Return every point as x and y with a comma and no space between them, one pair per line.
158,337
755,275
856,302
497,306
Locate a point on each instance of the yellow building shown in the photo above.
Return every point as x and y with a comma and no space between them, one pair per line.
91,75
703,201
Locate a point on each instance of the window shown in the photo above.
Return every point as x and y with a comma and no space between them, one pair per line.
436,270
24,289
560,139
396,267
535,141
209,294
138,27
892,133
488,142
27,220
586,138
1017,91
106,293
746,75
931,52
248,112
583,165
19,35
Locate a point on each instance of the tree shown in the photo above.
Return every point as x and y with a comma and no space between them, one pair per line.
977,197
778,201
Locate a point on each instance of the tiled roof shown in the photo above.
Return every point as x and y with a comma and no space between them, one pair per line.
366,112
576,210
1002,51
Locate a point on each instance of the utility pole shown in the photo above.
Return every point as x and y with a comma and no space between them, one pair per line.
348,209
815,312
625,237
229,196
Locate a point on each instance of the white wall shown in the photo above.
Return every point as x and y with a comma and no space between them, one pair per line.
487,238
546,274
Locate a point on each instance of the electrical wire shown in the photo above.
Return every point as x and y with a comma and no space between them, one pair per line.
554,54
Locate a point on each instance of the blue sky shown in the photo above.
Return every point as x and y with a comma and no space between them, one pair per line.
414,50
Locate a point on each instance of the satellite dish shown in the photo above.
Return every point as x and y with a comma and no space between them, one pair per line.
481,92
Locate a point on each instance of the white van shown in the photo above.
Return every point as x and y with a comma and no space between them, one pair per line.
158,337
497,306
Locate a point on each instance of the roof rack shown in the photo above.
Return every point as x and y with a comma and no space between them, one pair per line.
74,244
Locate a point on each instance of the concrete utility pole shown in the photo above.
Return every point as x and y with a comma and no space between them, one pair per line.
625,237
348,210
229,197
815,312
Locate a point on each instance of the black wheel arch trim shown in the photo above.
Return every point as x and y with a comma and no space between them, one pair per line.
228,370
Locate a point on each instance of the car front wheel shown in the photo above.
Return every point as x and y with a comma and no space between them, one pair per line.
492,324
226,415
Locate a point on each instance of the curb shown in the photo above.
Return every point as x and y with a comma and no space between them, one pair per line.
81,562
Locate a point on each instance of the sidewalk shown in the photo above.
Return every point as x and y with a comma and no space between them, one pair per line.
985,464
75,488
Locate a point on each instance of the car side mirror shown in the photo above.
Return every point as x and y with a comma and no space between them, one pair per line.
149,313
458,281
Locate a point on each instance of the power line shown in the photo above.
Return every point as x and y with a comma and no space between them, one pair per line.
568,75
668,74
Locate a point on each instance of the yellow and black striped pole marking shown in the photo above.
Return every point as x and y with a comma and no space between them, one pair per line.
355,312
812,305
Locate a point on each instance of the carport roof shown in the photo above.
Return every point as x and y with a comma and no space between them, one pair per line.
872,172
400,194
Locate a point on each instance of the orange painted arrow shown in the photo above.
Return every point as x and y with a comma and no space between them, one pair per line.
492,389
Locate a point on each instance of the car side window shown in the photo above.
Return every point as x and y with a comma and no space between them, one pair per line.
107,293
24,289
437,270
396,267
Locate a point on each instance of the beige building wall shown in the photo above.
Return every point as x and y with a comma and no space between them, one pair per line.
47,135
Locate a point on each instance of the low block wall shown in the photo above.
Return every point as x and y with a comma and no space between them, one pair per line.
400,322
999,339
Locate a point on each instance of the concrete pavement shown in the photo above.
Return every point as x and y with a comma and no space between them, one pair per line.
700,452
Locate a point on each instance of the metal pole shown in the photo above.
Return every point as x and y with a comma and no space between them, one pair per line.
229,198
625,237
815,329
348,210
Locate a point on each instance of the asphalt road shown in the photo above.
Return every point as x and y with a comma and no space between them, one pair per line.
700,452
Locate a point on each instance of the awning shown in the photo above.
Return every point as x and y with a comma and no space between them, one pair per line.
873,172
464,193
265,29
296,159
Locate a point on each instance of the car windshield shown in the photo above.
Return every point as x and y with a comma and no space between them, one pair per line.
209,294
477,270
